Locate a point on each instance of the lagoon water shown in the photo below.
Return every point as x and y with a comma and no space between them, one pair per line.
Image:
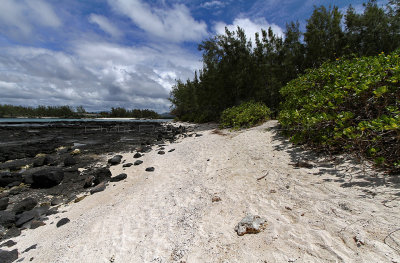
45,121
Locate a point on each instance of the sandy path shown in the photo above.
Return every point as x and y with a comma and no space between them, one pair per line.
168,215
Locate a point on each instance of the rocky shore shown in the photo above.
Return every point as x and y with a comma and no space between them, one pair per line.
45,166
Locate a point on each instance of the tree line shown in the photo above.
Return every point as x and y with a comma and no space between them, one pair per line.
235,71
70,112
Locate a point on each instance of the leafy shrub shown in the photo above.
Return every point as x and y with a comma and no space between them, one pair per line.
245,115
350,104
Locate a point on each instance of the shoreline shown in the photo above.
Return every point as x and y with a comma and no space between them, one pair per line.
331,211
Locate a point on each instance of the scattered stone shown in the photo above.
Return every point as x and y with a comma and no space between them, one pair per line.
288,208
161,152
115,160
47,178
101,175
89,181
146,149
63,221
119,177
150,169
30,248
302,164
25,205
8,256
171,150
272,191
50,160
216,199
4,203
198,135
98,188
36,223
137,155
359,240
56,201
77,200
127,165
138,162
250,224
69,161
9,243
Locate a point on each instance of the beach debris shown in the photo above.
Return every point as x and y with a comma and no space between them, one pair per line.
119,177
262,177
216,198
359,240
115,160
161,152
127,165
138,162
63,221
98,188
8,256
4,203
137,155
150,169
250,224
288,208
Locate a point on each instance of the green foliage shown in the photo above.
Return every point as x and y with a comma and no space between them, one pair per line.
348,104
245,115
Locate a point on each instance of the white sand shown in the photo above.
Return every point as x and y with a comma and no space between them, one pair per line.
168,215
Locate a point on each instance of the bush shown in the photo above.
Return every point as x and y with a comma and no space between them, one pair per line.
348,105
245,115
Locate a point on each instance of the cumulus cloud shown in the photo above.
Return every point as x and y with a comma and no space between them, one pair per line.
249,26
105,25
173,24
98,75
19,18
213,4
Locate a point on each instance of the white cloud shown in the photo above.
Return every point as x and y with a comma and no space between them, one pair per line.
105,25
250,27
98,75
213,4
173,24
19,18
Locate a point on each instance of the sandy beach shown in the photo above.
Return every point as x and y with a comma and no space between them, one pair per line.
335,211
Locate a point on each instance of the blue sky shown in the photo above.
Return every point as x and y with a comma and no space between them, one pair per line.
127,53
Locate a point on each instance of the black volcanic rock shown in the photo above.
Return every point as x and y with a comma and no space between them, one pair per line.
118,178
47,178
25,205
115,160
7,178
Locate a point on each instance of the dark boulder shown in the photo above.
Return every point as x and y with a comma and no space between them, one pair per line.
138,162
56,201
69,161
7,178
150,169
118,178
98,188
50,160
47,178
4,203
161,152
37,223
115,160
137,155
127,165
25,217
8,256
145,149
39,161
7,218
100,175
25,205
12,232
8,243
171,150
63,221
